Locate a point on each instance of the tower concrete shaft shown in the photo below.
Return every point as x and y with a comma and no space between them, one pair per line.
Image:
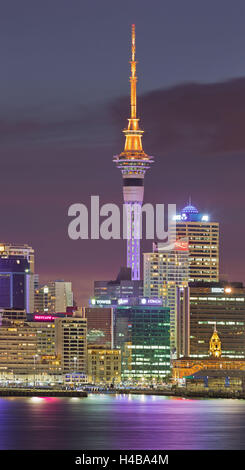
133,163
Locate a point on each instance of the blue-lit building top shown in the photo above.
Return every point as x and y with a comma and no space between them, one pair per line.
203,243
191,214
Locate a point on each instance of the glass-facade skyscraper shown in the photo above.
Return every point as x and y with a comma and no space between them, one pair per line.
166,274
142,334
16,277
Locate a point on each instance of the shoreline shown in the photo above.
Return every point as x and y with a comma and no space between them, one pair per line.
22,392
182,393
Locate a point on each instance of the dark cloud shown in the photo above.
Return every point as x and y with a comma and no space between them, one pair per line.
200,119
82,124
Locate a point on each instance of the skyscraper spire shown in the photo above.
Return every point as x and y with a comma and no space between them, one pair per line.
133,163
133,133
133,78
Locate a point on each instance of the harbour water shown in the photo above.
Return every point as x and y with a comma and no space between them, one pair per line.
121,422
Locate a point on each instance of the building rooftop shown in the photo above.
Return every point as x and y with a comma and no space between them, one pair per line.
189,209
190,213
214,284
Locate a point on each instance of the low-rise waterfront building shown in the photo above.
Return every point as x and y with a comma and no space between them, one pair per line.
214,373
104,366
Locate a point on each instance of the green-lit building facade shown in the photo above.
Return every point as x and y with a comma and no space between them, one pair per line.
142,332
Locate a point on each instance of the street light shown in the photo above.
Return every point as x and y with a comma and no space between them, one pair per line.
35,356
75,367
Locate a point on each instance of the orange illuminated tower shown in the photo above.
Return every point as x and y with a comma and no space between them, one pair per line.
133,163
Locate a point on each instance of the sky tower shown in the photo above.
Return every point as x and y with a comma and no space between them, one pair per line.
133,163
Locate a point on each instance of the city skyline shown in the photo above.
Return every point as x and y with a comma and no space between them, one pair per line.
136,341
199,148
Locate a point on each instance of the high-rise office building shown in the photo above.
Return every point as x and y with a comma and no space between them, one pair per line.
183,321
46,338
133,163
16,277
71,344
123,286
221,304
10,314
27,348
99,325
203,240
18,347
36,281
62,293
53,297
166,275
141,332
42,300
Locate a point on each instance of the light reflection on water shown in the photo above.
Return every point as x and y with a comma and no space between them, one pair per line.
121,422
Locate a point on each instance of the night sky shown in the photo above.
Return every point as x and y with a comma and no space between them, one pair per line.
64,99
